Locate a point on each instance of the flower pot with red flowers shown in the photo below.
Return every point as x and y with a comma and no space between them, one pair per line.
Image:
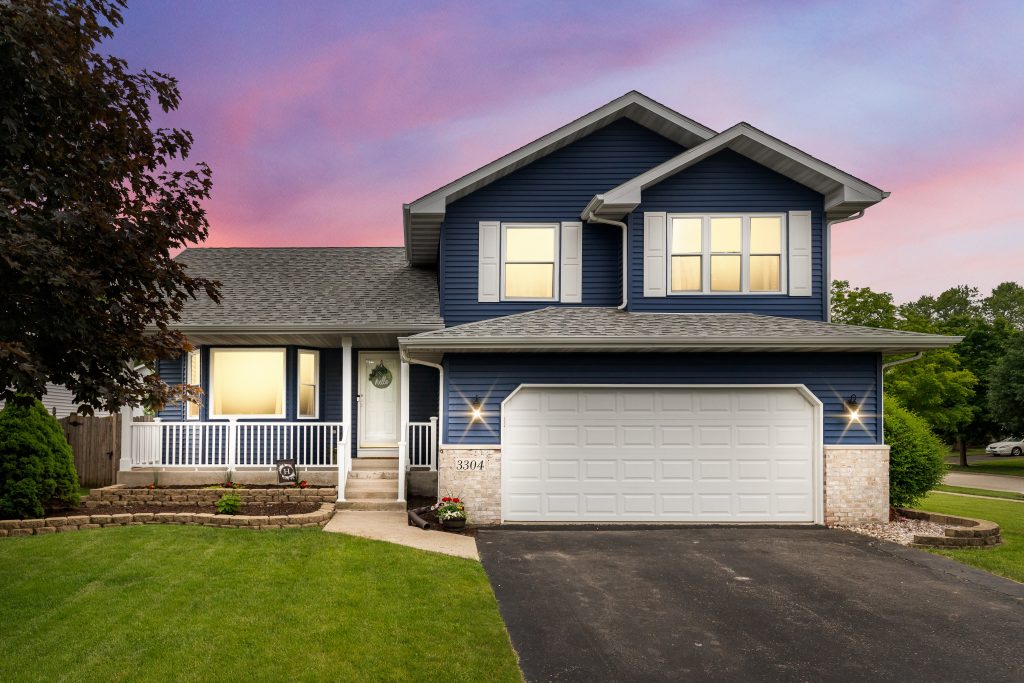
451,511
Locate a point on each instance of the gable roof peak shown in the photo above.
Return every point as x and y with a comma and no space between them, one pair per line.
422,218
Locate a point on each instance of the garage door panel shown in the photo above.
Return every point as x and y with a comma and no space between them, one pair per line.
673,454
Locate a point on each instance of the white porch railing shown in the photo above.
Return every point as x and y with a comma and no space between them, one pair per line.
235,444
421,438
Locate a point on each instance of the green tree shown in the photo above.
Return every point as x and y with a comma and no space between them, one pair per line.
36,463
862,306
1006,303
93,201
1006,388
937,389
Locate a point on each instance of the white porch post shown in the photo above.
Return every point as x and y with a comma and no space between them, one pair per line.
346,414
125,463
403,437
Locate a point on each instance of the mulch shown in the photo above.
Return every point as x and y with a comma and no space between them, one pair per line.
431,517
247,508
286,487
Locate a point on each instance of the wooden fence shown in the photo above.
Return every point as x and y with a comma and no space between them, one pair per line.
96,442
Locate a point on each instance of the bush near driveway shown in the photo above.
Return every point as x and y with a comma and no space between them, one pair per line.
1006,560
37,466
160,603
916,455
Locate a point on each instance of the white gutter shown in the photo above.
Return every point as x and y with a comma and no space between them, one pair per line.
894,363
828,260
591,218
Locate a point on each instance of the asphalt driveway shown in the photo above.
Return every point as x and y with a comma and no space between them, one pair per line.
747,604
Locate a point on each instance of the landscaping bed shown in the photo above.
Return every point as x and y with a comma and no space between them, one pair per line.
247,508
922,529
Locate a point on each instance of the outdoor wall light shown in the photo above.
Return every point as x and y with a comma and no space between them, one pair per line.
853,408
476,410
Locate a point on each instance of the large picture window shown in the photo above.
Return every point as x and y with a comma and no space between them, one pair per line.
309,384
726,254
529,261
247,383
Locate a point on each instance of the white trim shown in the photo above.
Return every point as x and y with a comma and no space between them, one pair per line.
556,276
571,274
193,381
744,254
250,349
818,454
488,268
654,258
316,386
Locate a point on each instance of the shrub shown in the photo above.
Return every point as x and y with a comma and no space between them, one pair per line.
229,504
916,455
37,467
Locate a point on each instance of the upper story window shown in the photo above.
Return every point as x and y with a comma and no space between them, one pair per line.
722,254
309,384
193,377
247,383
529,261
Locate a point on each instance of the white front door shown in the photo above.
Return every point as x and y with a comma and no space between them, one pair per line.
379,393
659,454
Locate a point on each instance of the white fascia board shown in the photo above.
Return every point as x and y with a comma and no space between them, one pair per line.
681,343
292,329
627,196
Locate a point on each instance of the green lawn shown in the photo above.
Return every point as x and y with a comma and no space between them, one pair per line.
1011,495
1006,560
166,603
1011,466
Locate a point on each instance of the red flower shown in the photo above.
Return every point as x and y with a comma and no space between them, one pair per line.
445,499
455,500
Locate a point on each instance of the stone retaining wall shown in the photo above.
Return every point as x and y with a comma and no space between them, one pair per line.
51,525
120,495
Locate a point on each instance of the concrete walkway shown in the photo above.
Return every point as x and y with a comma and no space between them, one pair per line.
993,482
393,527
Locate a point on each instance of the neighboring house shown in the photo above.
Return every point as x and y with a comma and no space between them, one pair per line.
61,402
625,320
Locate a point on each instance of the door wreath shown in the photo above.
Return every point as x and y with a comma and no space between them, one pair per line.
380,376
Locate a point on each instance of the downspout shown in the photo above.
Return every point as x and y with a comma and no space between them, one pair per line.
440,390
591,218
828,260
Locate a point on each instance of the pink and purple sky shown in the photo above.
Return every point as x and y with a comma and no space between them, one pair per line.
321,118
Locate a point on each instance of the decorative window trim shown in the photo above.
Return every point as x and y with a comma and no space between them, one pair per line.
556,262
744,254
299,384
249,349
193,379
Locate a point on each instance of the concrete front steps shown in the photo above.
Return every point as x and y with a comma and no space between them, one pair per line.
372,485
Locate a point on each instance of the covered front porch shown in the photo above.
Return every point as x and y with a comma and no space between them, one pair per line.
346,408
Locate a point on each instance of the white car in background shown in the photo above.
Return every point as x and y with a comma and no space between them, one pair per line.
1012,445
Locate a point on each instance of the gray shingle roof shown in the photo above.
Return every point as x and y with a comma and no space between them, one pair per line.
330,287
590,328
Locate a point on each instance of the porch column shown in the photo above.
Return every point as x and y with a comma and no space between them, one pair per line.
125,462
346,413
403,437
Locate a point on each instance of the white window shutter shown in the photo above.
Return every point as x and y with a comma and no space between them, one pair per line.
655,247
800,253
489,263
571,290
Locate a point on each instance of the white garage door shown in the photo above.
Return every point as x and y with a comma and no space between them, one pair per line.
658,454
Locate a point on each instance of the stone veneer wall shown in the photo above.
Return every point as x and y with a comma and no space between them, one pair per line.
856,484
458,475
51,525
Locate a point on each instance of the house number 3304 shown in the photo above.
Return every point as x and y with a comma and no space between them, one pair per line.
469,465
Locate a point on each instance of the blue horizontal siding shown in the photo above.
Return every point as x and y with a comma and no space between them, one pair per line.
423,393
729,182
832,377
552,189
172,371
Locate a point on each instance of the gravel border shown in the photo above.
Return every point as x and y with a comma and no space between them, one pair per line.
901,531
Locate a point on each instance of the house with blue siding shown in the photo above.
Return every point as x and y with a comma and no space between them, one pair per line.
626,320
